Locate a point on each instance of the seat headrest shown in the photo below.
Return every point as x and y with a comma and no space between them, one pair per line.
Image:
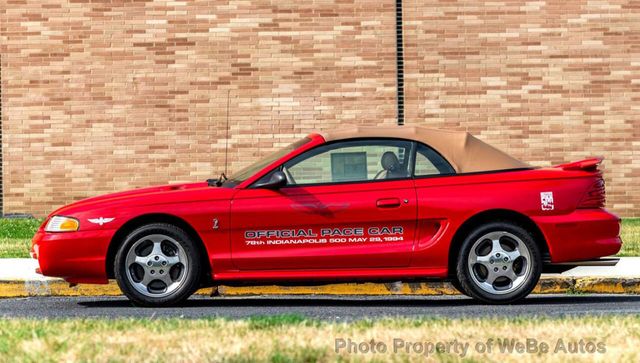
390,161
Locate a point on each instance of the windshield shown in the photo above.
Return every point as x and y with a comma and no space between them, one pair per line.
244,173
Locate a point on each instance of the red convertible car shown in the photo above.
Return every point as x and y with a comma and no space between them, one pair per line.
359,204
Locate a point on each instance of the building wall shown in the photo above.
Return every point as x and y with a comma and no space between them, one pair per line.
105,96
547,81
1,164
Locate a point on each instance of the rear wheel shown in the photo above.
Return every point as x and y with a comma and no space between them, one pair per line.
499,263
158,265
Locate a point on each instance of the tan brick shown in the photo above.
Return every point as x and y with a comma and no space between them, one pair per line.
104,96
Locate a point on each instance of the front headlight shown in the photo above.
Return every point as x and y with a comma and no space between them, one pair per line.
62,224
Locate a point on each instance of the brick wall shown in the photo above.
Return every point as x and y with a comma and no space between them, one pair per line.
103,96
547,81
1,193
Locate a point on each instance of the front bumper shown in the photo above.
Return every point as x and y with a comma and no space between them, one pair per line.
77,257
584,234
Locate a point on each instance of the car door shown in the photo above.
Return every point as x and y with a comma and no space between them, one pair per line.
348,204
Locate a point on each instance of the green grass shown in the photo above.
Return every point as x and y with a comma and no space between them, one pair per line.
14,247
292,338
16,234
630,234
19,228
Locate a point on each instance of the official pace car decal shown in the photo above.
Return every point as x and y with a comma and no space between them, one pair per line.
374,234
546,200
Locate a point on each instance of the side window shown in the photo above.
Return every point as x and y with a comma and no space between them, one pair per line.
350,161
429,162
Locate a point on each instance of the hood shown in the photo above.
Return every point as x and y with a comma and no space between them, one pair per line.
164,194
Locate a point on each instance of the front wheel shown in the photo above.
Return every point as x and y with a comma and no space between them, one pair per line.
499,263
456,284
158,265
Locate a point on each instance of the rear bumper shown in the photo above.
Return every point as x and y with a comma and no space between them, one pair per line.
585,234
78,257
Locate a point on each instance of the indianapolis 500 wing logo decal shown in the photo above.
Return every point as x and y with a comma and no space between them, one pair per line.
100,220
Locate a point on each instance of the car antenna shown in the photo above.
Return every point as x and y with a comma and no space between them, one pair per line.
226,143
218,182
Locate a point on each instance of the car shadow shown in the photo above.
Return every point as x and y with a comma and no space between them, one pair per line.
365,301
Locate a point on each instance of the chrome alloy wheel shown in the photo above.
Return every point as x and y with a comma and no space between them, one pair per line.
156,265
499,262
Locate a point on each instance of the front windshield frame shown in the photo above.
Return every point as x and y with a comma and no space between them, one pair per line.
254,168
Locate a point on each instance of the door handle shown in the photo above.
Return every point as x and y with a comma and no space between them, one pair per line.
388,203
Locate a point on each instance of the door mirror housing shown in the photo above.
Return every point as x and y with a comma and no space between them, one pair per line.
277,180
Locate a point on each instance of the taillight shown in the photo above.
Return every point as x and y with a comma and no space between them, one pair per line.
595,196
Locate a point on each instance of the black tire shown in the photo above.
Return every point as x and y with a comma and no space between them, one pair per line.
530,274
188,279
456,284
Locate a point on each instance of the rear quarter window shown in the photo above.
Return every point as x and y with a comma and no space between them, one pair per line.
429,162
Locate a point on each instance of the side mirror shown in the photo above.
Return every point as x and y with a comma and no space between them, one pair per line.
277,180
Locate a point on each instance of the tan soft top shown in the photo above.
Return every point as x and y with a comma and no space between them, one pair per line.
463,151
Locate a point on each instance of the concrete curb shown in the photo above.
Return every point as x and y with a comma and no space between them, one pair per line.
547,285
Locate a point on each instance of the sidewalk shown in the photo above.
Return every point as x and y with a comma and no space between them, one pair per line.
627,267
19,279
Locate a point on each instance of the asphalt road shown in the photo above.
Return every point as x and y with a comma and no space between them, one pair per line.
322,307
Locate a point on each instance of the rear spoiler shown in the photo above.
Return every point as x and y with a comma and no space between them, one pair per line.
590,164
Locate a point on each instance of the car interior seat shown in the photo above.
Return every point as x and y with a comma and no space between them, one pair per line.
391,167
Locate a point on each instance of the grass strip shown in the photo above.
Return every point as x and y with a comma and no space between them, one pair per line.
292,338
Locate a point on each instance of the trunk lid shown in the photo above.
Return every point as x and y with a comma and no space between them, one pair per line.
595,195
